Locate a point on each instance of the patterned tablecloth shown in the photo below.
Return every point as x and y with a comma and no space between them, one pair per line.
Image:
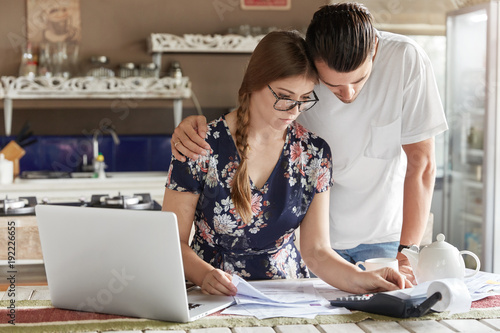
36,314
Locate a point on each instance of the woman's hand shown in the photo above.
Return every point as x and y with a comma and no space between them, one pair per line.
384,279
218,282
188,139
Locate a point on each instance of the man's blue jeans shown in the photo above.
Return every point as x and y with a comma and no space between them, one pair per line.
367,251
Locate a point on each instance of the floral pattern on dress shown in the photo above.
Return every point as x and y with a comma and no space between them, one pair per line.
264,248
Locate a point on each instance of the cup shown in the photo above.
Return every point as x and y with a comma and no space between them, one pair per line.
376,263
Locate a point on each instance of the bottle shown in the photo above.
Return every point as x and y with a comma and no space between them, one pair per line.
28,62
99,167
6,170
175,72
45,61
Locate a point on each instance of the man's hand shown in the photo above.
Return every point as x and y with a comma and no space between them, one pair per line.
405,268
188,139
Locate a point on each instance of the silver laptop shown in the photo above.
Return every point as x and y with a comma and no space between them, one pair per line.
119,261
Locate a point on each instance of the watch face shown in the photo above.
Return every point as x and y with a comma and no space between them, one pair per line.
414,248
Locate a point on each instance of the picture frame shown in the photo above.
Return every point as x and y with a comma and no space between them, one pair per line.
266,4
53,21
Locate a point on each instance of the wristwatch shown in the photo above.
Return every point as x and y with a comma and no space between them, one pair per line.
411,247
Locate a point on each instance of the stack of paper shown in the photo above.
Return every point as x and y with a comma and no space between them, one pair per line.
483,285
307,298
286,298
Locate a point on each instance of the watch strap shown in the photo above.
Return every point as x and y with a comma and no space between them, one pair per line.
401,247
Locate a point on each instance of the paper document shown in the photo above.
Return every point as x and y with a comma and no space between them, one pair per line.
307,298
284,293
328,292
283,298
483,285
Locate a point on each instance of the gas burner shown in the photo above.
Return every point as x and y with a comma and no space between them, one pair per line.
140,201
21,206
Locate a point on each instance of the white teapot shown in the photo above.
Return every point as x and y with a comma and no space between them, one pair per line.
439,260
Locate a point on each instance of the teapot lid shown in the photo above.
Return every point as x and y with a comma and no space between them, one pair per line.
440,243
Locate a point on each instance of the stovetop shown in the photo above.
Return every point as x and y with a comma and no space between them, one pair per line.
26,205
20,206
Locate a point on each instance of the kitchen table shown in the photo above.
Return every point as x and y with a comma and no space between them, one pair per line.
34,302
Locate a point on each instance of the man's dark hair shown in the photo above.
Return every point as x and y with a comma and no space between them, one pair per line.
342,35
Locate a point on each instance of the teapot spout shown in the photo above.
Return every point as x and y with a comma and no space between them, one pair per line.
412,256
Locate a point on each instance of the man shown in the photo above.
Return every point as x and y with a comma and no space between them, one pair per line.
379,110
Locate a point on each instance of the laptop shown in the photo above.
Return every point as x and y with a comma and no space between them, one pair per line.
119,261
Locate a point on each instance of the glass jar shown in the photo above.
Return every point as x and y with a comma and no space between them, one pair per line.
60,62
99,67
148,70
127,70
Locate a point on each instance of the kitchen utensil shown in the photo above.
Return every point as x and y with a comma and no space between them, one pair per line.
28,142
24,137
23,133
13,152
439,260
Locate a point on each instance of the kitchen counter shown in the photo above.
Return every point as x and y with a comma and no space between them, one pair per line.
72,189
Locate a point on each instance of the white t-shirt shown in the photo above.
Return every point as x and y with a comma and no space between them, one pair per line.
398,105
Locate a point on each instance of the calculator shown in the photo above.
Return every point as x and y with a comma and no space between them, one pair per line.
388,305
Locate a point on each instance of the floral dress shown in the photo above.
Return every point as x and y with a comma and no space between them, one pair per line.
263,249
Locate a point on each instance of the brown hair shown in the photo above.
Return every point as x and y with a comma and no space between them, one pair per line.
342,35
280,54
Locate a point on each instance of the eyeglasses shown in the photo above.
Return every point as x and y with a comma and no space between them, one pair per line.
286,104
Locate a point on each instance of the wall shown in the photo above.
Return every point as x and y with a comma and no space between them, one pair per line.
118,29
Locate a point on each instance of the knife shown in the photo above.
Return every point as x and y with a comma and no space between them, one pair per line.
22,135
28,142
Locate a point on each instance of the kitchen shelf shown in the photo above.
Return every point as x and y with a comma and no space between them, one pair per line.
136,87
160,43
196,43
164,43
93,88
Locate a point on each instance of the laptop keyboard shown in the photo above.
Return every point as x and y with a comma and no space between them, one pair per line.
193,306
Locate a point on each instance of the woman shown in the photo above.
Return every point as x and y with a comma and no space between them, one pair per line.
265,176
